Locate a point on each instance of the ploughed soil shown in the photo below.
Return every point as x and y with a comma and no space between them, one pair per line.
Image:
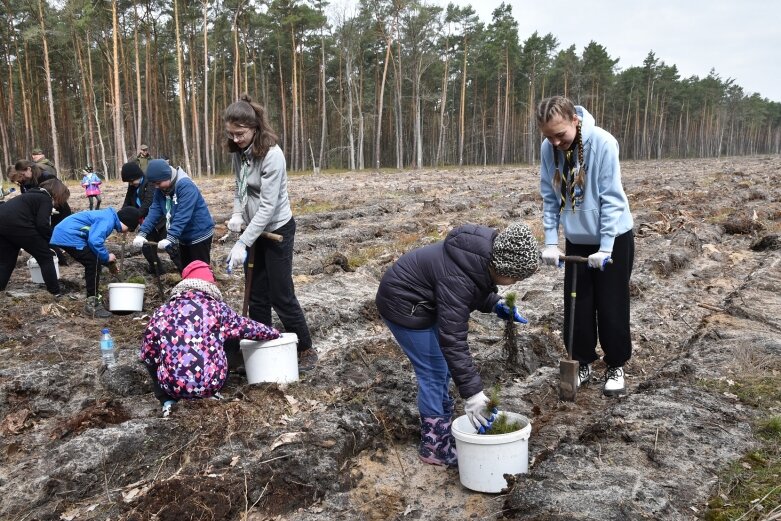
82,443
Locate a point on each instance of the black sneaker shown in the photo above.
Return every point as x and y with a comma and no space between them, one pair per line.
307,360
584,374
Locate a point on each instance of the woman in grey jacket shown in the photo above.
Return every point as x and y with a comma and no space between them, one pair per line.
261,204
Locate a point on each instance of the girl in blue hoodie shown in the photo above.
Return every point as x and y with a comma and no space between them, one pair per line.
580,183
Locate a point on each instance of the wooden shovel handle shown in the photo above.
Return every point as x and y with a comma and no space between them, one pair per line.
578,260
265,235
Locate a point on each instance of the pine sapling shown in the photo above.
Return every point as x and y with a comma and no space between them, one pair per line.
511,332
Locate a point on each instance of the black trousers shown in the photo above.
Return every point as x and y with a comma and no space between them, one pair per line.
36,246
92,199
191,252
272,285
602,305
150,251
92,267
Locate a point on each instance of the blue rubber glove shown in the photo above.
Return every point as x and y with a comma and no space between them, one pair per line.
599,260
502,311
485,428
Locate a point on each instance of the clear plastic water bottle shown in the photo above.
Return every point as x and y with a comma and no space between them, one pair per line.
107,349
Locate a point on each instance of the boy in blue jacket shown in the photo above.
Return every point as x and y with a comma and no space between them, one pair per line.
188,221
83,235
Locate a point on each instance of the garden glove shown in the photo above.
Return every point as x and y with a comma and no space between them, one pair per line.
139,241
235,223
599,260
164,244
237,255
503,311
551,255
476,409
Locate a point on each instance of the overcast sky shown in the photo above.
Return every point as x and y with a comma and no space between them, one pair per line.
740,39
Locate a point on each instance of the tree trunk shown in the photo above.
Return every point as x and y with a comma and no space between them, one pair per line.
119,129
442,103
181,94
380,100
462,111
47,70
207,146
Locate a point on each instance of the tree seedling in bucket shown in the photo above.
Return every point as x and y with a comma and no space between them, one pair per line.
502,424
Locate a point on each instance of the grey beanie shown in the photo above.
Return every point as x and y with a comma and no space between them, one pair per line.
516,252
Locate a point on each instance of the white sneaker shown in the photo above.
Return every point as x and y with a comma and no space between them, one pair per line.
584,374
614,382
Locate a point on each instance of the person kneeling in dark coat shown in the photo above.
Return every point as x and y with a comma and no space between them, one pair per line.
426,299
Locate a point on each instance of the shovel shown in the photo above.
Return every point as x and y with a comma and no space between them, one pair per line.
568,369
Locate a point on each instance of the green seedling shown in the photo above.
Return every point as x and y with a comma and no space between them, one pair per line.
137,279
502,424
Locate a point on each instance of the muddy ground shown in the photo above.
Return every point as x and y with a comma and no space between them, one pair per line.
81,443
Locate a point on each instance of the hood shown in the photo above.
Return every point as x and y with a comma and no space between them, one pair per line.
587,123
469,246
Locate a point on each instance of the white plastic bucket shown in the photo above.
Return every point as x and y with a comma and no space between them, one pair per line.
271,360
35,270
125,297
483,459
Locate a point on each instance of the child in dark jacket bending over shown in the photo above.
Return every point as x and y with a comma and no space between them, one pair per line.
426,298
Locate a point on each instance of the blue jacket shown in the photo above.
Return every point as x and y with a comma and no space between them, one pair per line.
89,228
440,285
603,212
185,212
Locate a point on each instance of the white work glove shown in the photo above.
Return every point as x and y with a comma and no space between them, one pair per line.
139,241
164,245
476,409
599,260
551,255
235,223
237,256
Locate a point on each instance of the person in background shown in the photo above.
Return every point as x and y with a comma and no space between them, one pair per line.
25,223
140,194
580,183
261,204
91,183
182,345
426,297
142,159
44,164
29,175
180,205
83,235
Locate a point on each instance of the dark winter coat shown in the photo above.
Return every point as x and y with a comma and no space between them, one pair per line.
440,285
140,197
27,214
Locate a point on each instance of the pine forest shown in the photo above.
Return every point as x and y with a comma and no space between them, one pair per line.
379,84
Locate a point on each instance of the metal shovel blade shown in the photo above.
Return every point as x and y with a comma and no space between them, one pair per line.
568,380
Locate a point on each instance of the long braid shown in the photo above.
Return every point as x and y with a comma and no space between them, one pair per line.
581,174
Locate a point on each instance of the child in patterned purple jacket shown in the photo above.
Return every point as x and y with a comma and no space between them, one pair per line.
183,342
